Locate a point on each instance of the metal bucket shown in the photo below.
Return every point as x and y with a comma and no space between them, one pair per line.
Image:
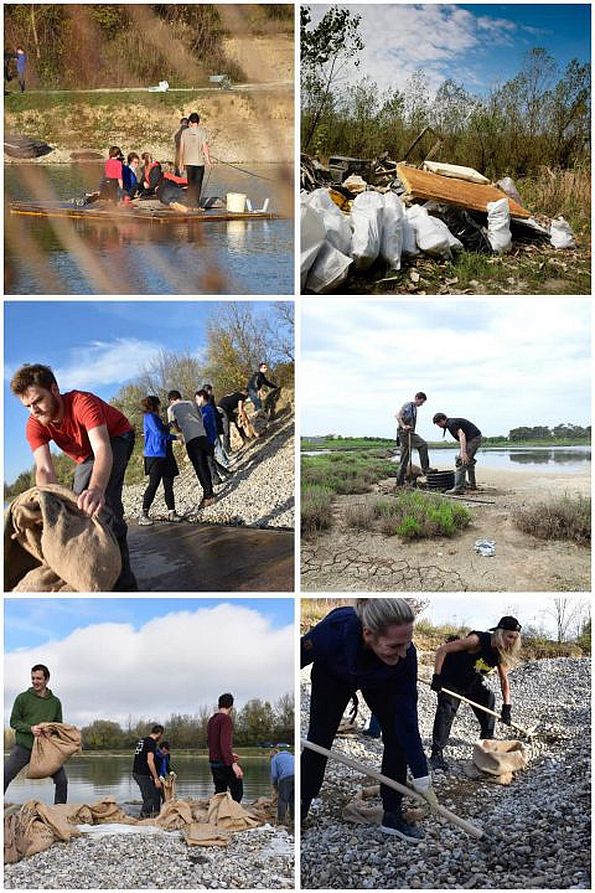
441,480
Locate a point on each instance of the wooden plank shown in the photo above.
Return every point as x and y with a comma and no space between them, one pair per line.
472,196
93,212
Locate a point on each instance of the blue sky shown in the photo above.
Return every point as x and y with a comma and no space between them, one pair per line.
478,45
114,658
96,346
501,362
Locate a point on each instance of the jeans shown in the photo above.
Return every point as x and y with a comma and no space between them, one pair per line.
417,443
328,701
225,779
447,710
20,757
150,794
198,453
195,174
113,511
256,401
155,477
285,790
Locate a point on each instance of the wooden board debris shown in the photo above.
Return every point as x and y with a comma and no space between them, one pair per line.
472,196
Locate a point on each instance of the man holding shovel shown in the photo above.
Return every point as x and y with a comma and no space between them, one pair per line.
408,440
32,707
460,666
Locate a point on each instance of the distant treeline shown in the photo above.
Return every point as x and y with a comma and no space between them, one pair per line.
560,434
237,341
257,723
540,117
119,45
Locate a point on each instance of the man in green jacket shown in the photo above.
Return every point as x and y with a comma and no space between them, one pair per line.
31,707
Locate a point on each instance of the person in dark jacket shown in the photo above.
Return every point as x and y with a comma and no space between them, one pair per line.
256,382
461,666
469,438
233,411
222,456
160,463
31,707
209,416
150,175
21,60
368,648
130,175
225,767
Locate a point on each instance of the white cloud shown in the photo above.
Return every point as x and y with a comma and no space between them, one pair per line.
102,363
500,363
174,664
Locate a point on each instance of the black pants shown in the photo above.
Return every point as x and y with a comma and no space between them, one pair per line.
150,794
285,790
113,512
19,758
328,701
195,174
448,706
155,477
198,453
225,779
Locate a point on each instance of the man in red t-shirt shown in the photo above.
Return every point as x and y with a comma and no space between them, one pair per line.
97,436
225,769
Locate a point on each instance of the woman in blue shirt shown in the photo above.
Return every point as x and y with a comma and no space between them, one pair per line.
368,648
160,464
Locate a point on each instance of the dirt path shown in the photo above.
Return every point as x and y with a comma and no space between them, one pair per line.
349,560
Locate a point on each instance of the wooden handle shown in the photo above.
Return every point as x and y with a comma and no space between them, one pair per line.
470,829
454,694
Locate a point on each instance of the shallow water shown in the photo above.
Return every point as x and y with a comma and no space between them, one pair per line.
92,777
137,257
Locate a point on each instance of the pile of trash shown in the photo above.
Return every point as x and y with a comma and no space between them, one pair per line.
349,222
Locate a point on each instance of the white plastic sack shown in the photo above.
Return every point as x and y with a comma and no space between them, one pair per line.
366,223
506,184
312,236
430,237
409,243
561,235
336,224
459,171
499,235
329,270
391,243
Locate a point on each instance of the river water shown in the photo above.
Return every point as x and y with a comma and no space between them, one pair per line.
93,776
560,460
138,257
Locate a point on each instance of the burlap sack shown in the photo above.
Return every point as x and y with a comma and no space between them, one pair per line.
497,761
51,750
169,788
174,815
204,834
224,812
51,546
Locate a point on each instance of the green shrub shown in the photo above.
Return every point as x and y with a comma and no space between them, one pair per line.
562,518
317,513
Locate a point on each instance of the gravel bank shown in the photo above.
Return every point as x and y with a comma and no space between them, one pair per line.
258,859
258,493
537,830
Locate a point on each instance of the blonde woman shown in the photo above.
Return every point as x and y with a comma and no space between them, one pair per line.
367,648
461,666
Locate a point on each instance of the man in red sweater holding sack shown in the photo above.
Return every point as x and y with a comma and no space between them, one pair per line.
97,436
226,771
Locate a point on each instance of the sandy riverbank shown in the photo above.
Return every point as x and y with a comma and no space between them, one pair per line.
349,560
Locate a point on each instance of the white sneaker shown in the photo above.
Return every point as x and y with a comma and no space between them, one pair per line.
145,521
174,518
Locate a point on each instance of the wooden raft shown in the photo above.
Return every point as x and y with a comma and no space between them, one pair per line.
153,213
472,196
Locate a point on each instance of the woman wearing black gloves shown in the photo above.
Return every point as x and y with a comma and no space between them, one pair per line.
460,666
368,648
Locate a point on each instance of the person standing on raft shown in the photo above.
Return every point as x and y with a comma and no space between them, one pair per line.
194,154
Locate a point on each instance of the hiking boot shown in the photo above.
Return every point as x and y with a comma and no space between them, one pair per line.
173,517
437,762
394,823
144,520
206,502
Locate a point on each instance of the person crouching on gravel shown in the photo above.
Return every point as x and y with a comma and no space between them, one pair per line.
461,665
369,648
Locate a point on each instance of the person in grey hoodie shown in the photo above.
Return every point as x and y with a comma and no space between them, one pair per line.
36,705
187,419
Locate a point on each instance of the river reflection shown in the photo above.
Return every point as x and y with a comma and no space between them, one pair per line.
91,777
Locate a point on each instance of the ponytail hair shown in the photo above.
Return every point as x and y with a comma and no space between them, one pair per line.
377,614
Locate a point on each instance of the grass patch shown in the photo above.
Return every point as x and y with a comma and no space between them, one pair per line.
411,515
564,518
347,473
317,511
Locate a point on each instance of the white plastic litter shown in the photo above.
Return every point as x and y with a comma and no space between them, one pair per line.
336,224
499,235
312,236
459,171
118,828
486,548
506,184
162,87
409,243
329,270
366,223
561,235
430,232
391,243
